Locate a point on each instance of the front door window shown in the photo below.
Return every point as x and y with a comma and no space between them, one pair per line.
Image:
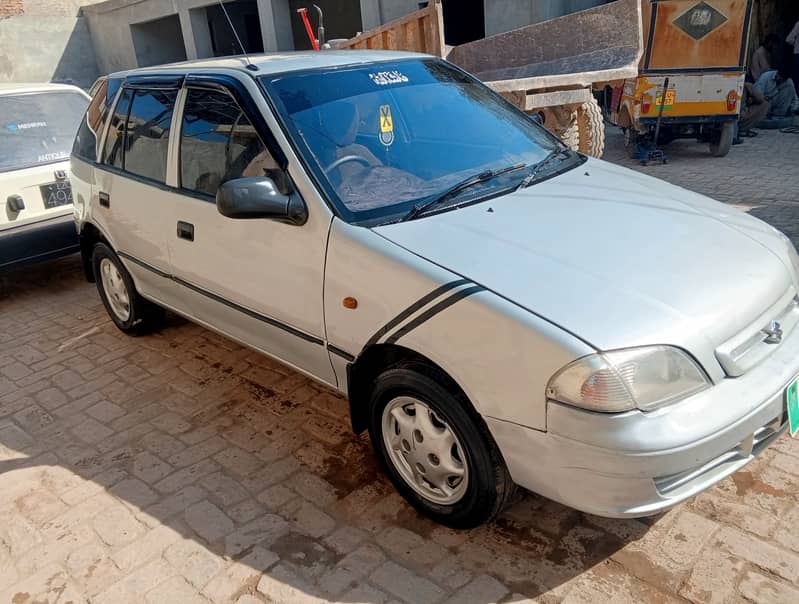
218,143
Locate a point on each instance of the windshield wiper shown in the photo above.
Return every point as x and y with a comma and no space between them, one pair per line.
539,167
475,179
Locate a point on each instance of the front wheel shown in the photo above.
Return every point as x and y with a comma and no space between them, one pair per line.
130,312
436,449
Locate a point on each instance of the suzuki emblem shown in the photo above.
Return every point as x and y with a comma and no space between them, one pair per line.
773,333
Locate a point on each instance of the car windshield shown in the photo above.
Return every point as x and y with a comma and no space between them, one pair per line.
383,138
38,128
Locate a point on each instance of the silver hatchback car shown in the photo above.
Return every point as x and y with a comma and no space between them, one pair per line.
499,309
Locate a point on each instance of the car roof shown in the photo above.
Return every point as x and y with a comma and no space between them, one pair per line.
276,62
18,88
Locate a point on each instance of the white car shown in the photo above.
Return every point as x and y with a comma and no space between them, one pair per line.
37,128
499,309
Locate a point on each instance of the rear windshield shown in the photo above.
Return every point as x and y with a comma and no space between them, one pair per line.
38,128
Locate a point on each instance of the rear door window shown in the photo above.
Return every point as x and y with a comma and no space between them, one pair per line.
219,143
147,133
38,128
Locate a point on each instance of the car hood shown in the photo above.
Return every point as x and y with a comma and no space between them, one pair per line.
615,257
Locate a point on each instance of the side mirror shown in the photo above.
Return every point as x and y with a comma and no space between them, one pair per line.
259,197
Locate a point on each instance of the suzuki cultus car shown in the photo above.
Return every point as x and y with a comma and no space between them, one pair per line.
37,127
498,309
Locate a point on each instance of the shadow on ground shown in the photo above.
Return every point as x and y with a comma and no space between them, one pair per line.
127,447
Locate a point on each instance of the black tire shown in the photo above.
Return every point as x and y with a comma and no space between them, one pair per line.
591,129
571,135
721,143
489,486
144,316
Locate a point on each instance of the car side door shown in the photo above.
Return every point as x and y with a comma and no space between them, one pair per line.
130,192
257,280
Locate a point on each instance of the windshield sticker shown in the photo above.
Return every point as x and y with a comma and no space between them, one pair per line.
53,156
26,126
386,78
386,126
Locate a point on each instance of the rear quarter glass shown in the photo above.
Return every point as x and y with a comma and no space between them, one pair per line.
89,135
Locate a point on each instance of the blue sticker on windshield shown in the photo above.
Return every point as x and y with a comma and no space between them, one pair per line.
387,78
26,126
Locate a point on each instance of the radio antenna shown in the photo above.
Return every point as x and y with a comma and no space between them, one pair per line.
250,65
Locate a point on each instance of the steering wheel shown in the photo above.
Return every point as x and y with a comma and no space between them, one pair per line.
345,160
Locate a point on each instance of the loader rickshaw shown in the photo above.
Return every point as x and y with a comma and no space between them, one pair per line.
691,76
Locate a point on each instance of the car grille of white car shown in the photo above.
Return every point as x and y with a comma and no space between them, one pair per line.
714,469
746,349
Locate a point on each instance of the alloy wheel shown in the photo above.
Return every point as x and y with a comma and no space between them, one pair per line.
425,450
116,292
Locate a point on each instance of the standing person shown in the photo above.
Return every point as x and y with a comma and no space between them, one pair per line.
763,57
793,40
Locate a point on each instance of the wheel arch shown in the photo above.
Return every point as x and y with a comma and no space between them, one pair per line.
90,235
377,358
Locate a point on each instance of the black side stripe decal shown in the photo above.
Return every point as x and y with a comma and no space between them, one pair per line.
144,265
250,313
341,353
413,308
434,310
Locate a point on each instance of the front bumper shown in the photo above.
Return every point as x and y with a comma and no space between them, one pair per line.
638,464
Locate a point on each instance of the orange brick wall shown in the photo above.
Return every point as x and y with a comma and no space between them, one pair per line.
49,8
9,8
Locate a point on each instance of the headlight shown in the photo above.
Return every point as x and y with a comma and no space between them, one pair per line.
621,380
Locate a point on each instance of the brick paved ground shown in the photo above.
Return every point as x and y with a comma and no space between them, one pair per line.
761,176
182,468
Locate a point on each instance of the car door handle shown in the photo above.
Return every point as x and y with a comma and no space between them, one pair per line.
185,230
105,199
